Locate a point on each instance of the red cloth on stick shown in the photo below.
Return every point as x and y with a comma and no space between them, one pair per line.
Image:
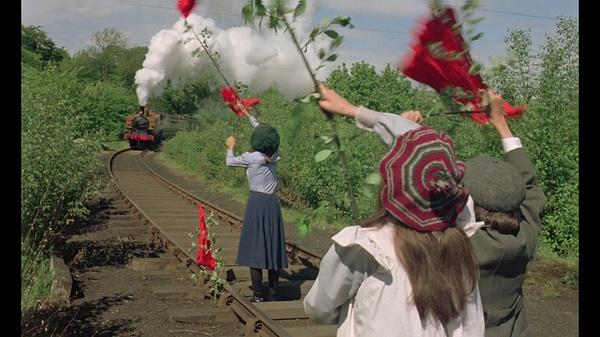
203,255
439,73
186,7
233,100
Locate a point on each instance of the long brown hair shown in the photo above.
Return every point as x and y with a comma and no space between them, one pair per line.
440,266
503,222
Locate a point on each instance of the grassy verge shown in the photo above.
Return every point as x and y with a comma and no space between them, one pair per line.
36,279
116,145
550,276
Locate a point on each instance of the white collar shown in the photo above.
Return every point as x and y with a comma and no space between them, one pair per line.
466,219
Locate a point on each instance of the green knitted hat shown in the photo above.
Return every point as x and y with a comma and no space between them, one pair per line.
265,139
494,184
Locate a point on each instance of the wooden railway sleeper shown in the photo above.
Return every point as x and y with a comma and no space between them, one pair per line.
252,327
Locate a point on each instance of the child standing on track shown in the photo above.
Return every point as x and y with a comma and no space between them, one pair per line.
410,271
262,242
510,203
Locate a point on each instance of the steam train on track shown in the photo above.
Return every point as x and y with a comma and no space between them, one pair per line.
146,129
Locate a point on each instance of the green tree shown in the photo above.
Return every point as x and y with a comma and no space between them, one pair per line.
107,49
130,62
185,99
388,91
548,82
107,38
108,59
517,78
35,41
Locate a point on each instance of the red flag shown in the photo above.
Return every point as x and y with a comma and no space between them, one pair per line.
203,255
186,7
233,101
440,73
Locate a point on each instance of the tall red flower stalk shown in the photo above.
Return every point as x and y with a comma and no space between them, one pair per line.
204,256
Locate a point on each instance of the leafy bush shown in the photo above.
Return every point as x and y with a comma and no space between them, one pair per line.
58,168
57,160
105,105
184,99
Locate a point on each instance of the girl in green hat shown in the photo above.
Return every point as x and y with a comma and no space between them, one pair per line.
262,242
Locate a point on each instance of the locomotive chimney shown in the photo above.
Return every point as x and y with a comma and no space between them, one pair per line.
141,108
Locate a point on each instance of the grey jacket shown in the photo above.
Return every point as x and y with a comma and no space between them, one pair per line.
503,258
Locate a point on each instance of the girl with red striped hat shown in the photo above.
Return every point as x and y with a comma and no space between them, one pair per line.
410,270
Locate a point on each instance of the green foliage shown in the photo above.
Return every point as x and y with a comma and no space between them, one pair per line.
31,58
516,79
64,120
108,59
36,278
35,40
549,83
129,62
107,38
58,170
387,91
57,154
185,99
105,105
211,109
96,108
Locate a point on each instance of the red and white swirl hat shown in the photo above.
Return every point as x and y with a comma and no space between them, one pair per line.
422,180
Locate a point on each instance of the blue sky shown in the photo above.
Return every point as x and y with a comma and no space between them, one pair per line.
381,33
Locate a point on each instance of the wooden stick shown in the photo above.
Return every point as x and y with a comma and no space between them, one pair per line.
459,112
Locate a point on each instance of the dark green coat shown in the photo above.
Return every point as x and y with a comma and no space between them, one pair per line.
503,258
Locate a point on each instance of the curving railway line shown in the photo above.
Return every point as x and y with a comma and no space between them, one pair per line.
170,213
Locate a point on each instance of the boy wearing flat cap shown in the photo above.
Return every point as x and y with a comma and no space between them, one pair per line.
509,201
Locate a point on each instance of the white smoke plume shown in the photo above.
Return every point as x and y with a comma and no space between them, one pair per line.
257,58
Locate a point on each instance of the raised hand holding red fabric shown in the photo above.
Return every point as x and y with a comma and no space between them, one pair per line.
235,103
451,71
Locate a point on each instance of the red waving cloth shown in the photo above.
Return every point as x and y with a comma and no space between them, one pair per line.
440,73
233,100
186,7
203,255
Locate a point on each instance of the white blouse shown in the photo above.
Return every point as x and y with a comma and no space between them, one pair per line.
365,290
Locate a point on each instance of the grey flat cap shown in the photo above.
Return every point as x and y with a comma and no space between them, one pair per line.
494,184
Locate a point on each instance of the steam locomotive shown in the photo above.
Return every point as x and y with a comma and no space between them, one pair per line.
146,129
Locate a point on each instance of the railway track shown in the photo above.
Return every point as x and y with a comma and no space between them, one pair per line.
170,213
